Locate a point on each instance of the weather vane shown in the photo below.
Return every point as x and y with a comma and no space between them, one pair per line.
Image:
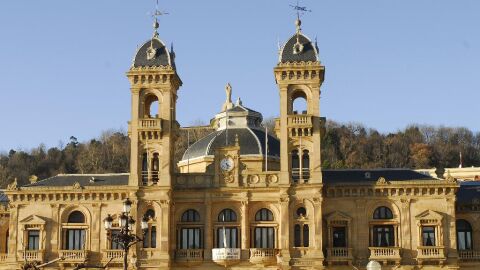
151,51
300,9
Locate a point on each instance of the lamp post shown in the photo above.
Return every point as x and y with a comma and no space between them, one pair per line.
126,238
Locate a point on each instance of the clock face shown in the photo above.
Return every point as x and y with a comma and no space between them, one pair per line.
226,164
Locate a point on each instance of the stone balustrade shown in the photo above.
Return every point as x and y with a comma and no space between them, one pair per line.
75,256
3,257
189,255
339,254
427,253
116,255
469,255
265,256
31,255
385,254
149,129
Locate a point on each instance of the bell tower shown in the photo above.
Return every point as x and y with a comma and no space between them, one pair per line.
299,76
154,83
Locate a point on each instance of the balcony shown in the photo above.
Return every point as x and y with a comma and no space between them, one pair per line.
469,255
226,256
385,254
339,255
435,254
300,125
113,255
73,256
3,257
265,256
149,129
189,257
31,255
300,175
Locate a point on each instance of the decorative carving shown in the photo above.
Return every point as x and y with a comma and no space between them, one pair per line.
13,185
77,185
382,181
253,179
272,178
450,178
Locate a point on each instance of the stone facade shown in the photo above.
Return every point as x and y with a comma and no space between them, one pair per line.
239,206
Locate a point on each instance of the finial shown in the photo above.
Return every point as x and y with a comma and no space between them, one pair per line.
155,15
298,47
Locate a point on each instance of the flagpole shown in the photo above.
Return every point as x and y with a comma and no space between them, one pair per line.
188,146
266,148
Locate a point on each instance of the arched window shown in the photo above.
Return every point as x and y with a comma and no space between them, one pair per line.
301,211
190,216
155,167
264,232
306,235
383,234
464,235
299,103
150,213
264,215
75,237
190,234
297,236
295,166
227,236
145,169
227,215
76,217
383,213
305,165
151,108
150,239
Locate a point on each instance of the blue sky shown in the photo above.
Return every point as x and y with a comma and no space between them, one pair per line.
388,63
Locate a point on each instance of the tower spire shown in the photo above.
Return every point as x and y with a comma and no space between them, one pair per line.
300,10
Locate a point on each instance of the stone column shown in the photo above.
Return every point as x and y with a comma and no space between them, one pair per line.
406,229
284,229
318,228
451,229
164,230
208,245
245,230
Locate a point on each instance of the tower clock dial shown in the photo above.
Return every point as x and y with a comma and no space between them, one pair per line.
227,164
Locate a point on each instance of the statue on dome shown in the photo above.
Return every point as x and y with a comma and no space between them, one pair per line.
228,102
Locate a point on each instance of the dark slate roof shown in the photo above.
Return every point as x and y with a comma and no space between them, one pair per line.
468,191
241,108
3,197
65,180
309,53
357,175
162,56
251,141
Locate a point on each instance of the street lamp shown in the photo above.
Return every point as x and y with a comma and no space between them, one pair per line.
126,238
374,265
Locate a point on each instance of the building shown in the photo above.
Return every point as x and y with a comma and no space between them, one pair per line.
242,199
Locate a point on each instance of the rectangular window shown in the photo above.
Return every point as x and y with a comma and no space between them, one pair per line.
428,236
383,236
33,240
264,237
190,238
115,244
75,239
339,237
229,237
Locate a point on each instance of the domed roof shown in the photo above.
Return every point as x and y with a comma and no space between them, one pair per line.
153,53
250,140
307,53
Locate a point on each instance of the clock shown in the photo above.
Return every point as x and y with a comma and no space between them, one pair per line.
227,164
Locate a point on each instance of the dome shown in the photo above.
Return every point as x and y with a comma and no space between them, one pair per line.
307,53
250,140
153,53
